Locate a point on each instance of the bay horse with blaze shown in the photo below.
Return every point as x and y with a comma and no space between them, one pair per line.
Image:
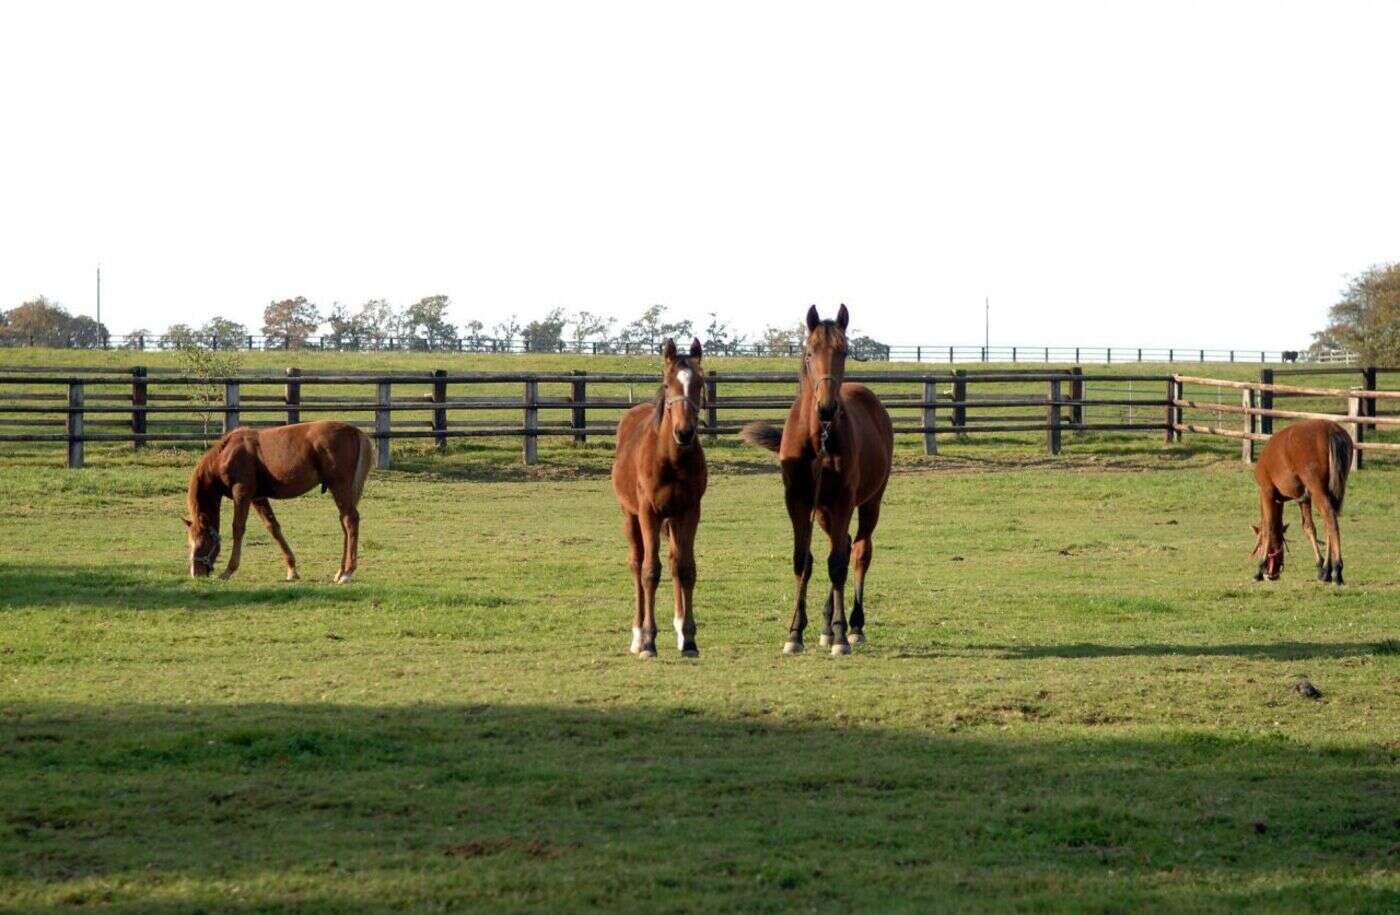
251,466
1307,462
659,476
835,450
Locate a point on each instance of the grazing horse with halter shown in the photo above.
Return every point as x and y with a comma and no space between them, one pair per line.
1307,463
835,450
251,466
659,476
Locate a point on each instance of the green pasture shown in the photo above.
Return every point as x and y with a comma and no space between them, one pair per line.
1074,698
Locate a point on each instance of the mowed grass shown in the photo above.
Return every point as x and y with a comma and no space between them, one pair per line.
1074,698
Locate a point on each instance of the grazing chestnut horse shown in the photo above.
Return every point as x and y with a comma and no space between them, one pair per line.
250,466
659,476
1306,462
835,450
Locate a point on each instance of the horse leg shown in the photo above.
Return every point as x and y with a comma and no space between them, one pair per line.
862,551
632,530
837,566
683,574
800,512
651,577
241,501
1333,572
264,510
350,524
1267,506
1305,508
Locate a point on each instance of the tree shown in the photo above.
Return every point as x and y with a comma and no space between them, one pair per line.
472,333
85,333
1367,319
782,341
545,335
223,333
374,323
651,327
179,336
506,331
43,320
289,322
589,327
428,317
720,337
137,338
863,347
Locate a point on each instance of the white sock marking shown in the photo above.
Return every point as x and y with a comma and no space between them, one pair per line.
680,633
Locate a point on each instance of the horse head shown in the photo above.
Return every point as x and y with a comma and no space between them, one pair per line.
824,361
204,547
682,391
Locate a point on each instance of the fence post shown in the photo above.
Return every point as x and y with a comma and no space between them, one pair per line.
1054,416
231,402
1174,390
918,354
960,401
138,400
75,426
579,395
711,405
383,423
1076,394
1368,381
1266,401
291,394
1358,430
532,422
1247,443
440,413
930,414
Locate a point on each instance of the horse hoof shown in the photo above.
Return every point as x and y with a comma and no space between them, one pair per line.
292,575
826,640
342,578
840,648
792,648
646,653
856,637
690,652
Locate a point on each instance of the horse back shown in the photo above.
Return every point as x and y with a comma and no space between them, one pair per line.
1301,452
292,460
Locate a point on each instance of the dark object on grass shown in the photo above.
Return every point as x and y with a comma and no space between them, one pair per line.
1305,687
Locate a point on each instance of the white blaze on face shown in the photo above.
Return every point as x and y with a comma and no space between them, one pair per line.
683,378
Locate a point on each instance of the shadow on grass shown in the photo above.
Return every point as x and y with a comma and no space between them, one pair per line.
1277,651
313,807
109,588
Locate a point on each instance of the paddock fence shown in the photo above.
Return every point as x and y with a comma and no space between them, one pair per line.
140,406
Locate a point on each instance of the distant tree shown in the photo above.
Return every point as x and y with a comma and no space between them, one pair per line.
426,319
782,341
42,319
507,330
588,327
223,333
138,338
653,326
865,347
85,333
1367,319
289,322
721,337
179,336
471,332
545,335
374,323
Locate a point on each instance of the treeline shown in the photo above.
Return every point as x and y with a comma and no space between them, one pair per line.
1366,320
296,323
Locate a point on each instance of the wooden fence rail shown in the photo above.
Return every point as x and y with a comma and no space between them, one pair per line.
138,406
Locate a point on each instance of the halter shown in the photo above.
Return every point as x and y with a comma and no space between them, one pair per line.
825,424
207,560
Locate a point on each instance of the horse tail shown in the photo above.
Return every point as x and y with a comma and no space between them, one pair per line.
362,465
764,435
1339,448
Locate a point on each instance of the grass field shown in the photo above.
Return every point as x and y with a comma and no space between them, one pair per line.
1074,697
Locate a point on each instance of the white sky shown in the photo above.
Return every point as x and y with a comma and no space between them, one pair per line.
1189,174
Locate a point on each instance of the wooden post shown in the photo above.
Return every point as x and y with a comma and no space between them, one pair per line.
291,395
440,413
1266,401
712,405
960,400
1076,394
1174,389
1368,381
138,400
930,414
579,396
532,422
383,423
75,426
231,401
1356,408
1053,440
1249,422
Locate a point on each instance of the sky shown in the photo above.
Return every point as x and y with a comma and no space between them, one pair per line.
1132,174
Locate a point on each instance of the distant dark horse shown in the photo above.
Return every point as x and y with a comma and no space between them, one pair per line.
835,450
250,466
1306,462
659,476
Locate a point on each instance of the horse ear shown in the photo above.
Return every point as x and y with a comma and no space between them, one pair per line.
696,350
813,319
843,317
668,350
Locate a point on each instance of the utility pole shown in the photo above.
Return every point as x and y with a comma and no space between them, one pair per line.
99,308
987,338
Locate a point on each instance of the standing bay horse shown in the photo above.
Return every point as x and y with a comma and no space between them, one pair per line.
251,466
835,450
659,476
1306,462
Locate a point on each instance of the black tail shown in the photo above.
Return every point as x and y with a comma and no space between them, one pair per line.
764,435
1339,447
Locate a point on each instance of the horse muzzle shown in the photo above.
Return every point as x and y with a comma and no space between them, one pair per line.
684,437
